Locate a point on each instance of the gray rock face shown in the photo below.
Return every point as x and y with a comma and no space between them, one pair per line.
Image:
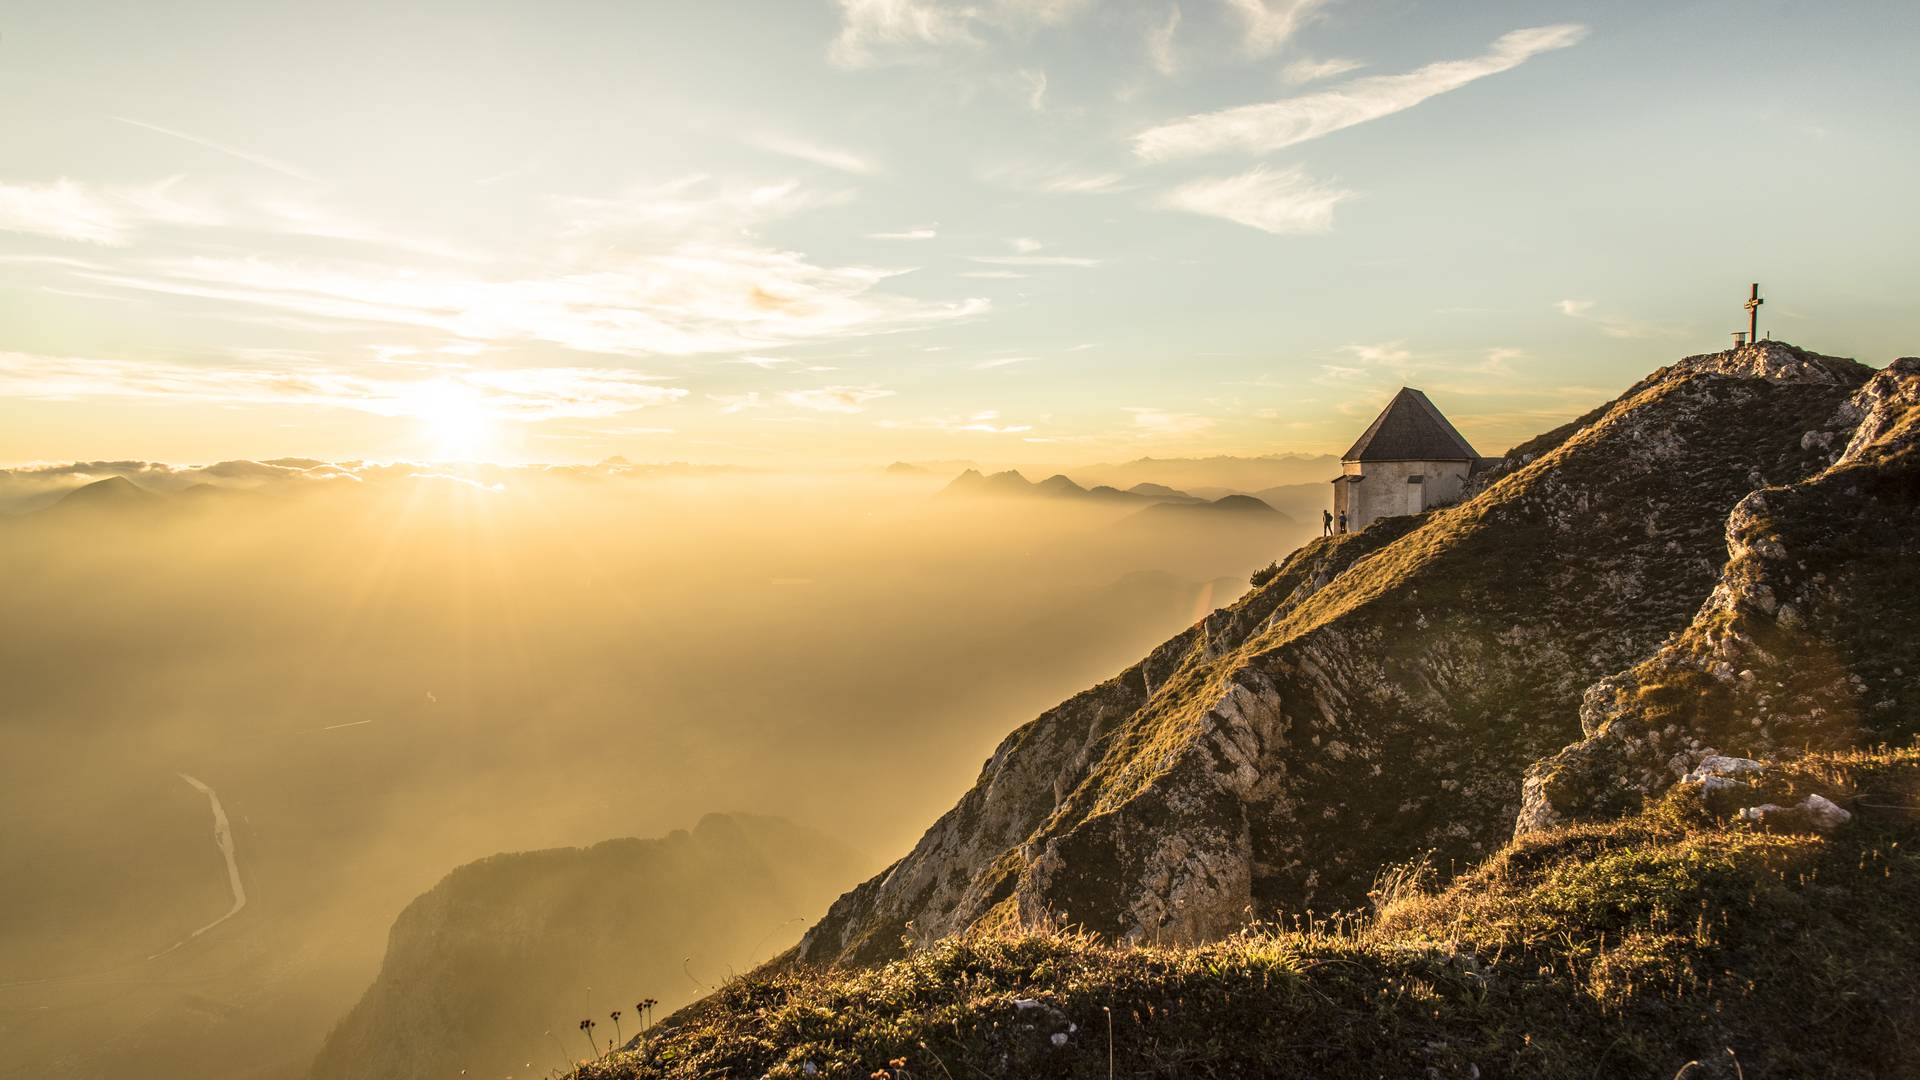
1805,640
1815,813
1377,699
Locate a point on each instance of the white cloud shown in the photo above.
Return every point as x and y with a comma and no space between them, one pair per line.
695,298
1025,245
986,422
1035,260
1160,49
832,158
63,210
1000,361
671,269
1282,201
1150,421
1036,89
876,32
905,234
872,31
527,394
1046,180
1270,23
835,399
1614,326
734,403
695,205
1306,69
1388,354
67,210
250,158
1275,125
994,275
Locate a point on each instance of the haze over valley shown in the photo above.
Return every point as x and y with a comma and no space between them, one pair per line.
386,671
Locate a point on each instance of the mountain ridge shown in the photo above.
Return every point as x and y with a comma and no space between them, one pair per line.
1379,698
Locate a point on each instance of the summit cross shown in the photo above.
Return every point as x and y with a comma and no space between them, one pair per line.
1753,314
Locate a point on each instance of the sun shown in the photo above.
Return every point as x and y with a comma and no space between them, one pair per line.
454,419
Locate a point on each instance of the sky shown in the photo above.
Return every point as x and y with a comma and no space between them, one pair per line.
809,233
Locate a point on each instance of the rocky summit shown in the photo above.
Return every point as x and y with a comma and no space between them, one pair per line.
1710,565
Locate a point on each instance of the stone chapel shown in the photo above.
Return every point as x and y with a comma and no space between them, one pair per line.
1408,460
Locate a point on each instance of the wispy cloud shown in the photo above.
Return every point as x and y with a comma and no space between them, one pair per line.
1276,125
873,32
1160,47
830,157
877,32
835,399
1391,354
1052,180
63,210
1036,87
1611,324
1271,23
906,234
1157,422
235,152
1279,201
694,205
1035,260
985,422
67,210
695,299
737,403
1307,69
994,275
671,269
1000,362
526,394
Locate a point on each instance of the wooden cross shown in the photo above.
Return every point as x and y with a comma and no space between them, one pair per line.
1753,314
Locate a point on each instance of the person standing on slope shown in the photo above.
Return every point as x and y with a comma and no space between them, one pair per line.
1326,523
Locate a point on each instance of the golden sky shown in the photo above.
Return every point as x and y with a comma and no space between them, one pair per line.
844,233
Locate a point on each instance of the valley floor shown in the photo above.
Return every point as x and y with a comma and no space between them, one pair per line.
1670,943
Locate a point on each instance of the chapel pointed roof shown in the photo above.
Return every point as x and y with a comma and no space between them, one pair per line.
1410,429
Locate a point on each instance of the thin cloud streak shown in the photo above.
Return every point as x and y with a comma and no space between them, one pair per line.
1279,201
235,152
1277,125
67,210
835,399
525,394
1035,260
1307,69
788,146
1272,23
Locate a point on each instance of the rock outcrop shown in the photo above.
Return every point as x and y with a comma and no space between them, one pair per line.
1810,639
1379,697
479,969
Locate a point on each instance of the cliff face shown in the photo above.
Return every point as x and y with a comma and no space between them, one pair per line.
1809,640
506,949
1381,696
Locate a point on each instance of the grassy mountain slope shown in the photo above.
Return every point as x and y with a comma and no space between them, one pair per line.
1807,641
1666,944
1379,698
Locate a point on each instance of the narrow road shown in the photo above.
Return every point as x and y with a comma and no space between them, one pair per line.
223,838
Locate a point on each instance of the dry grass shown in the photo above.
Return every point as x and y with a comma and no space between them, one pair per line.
1631,949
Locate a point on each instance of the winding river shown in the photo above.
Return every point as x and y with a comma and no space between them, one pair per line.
222,838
